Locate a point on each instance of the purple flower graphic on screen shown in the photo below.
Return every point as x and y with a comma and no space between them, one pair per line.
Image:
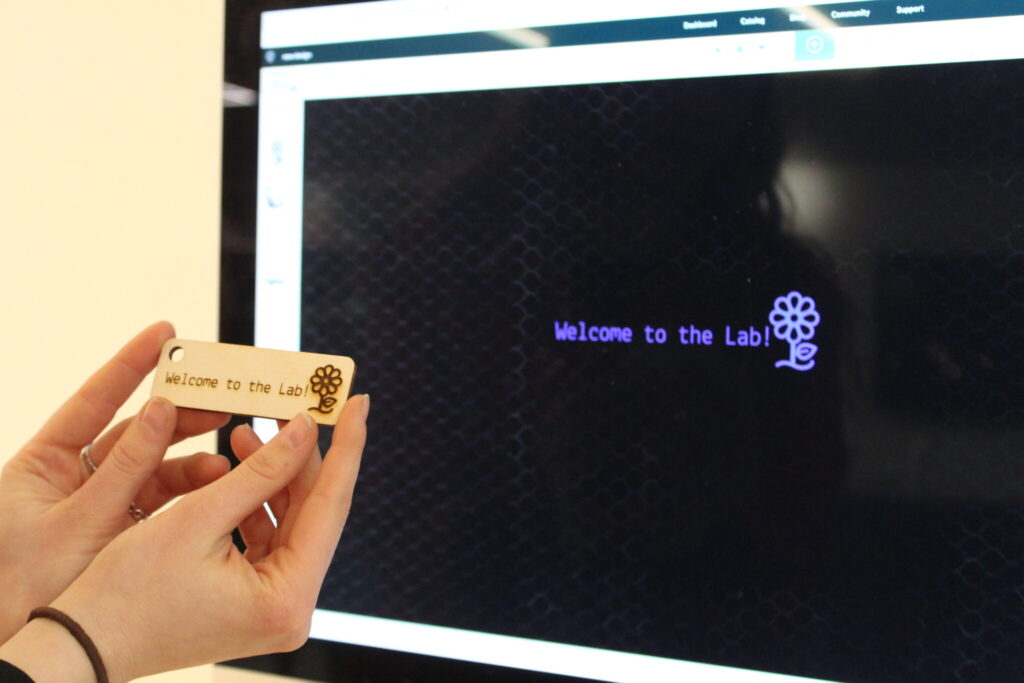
793,320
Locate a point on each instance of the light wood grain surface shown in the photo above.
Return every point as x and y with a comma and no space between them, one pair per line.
244,380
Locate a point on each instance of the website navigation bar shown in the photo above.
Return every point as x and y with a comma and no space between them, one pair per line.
821,17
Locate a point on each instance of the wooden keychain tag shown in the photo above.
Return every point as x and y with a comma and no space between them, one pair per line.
245,380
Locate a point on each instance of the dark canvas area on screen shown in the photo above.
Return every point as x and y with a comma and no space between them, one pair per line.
863,520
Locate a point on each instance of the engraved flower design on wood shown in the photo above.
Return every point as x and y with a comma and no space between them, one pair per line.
325,382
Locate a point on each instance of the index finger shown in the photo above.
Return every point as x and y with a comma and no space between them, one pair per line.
93,406
190,423
230,499
322,516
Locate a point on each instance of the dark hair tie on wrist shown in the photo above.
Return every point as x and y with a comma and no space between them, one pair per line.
80,635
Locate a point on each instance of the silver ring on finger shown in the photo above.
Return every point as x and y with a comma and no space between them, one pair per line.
136,513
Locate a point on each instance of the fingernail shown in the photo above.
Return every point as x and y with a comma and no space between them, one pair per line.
155,414
296,432
366,406
248,428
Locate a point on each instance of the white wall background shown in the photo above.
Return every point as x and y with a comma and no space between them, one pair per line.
109,195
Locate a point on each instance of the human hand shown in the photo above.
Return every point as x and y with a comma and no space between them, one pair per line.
176,592
54,517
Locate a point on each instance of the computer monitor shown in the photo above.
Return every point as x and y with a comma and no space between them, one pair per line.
692,328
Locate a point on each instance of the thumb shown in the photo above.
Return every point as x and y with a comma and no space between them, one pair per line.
130,462
224,503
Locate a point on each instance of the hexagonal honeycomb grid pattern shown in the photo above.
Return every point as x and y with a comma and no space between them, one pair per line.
862,521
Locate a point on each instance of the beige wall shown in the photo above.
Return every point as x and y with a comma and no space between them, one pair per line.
109,193
109,186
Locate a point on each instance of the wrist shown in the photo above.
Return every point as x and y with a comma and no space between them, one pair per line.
10,623
47,652
100,623
18,604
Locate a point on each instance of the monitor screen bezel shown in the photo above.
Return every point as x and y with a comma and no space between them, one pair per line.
318,660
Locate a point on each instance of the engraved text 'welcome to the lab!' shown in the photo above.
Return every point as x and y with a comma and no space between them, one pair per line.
252,386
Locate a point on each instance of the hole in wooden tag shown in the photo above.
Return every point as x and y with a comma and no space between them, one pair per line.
176,354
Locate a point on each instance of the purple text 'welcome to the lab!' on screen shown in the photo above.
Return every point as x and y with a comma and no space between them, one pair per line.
581,331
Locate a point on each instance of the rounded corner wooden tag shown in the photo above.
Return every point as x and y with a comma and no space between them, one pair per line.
246,380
